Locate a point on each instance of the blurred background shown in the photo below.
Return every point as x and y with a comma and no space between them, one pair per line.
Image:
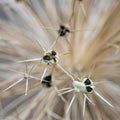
28,28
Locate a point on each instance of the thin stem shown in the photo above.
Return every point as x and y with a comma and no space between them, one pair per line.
13,84
54,115
53,43
84,105
30,60
83,9
32,69
65,71
16,71
68,42
88,99
73,98
34,77
73,10
26,87
26,68
44,73
60,95
66,91
40,45
103,99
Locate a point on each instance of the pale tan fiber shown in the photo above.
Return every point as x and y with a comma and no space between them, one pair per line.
88,50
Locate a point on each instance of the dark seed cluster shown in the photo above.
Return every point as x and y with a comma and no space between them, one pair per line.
63,30
47,81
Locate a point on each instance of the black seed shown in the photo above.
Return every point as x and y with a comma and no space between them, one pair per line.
53,53
87,82
48,78
63,30
67,30
47,81
62,27
89,89
47,84
46,57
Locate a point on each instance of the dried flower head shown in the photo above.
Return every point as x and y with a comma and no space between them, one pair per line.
73,59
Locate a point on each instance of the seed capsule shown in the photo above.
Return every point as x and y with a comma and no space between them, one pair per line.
63,30
47,81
